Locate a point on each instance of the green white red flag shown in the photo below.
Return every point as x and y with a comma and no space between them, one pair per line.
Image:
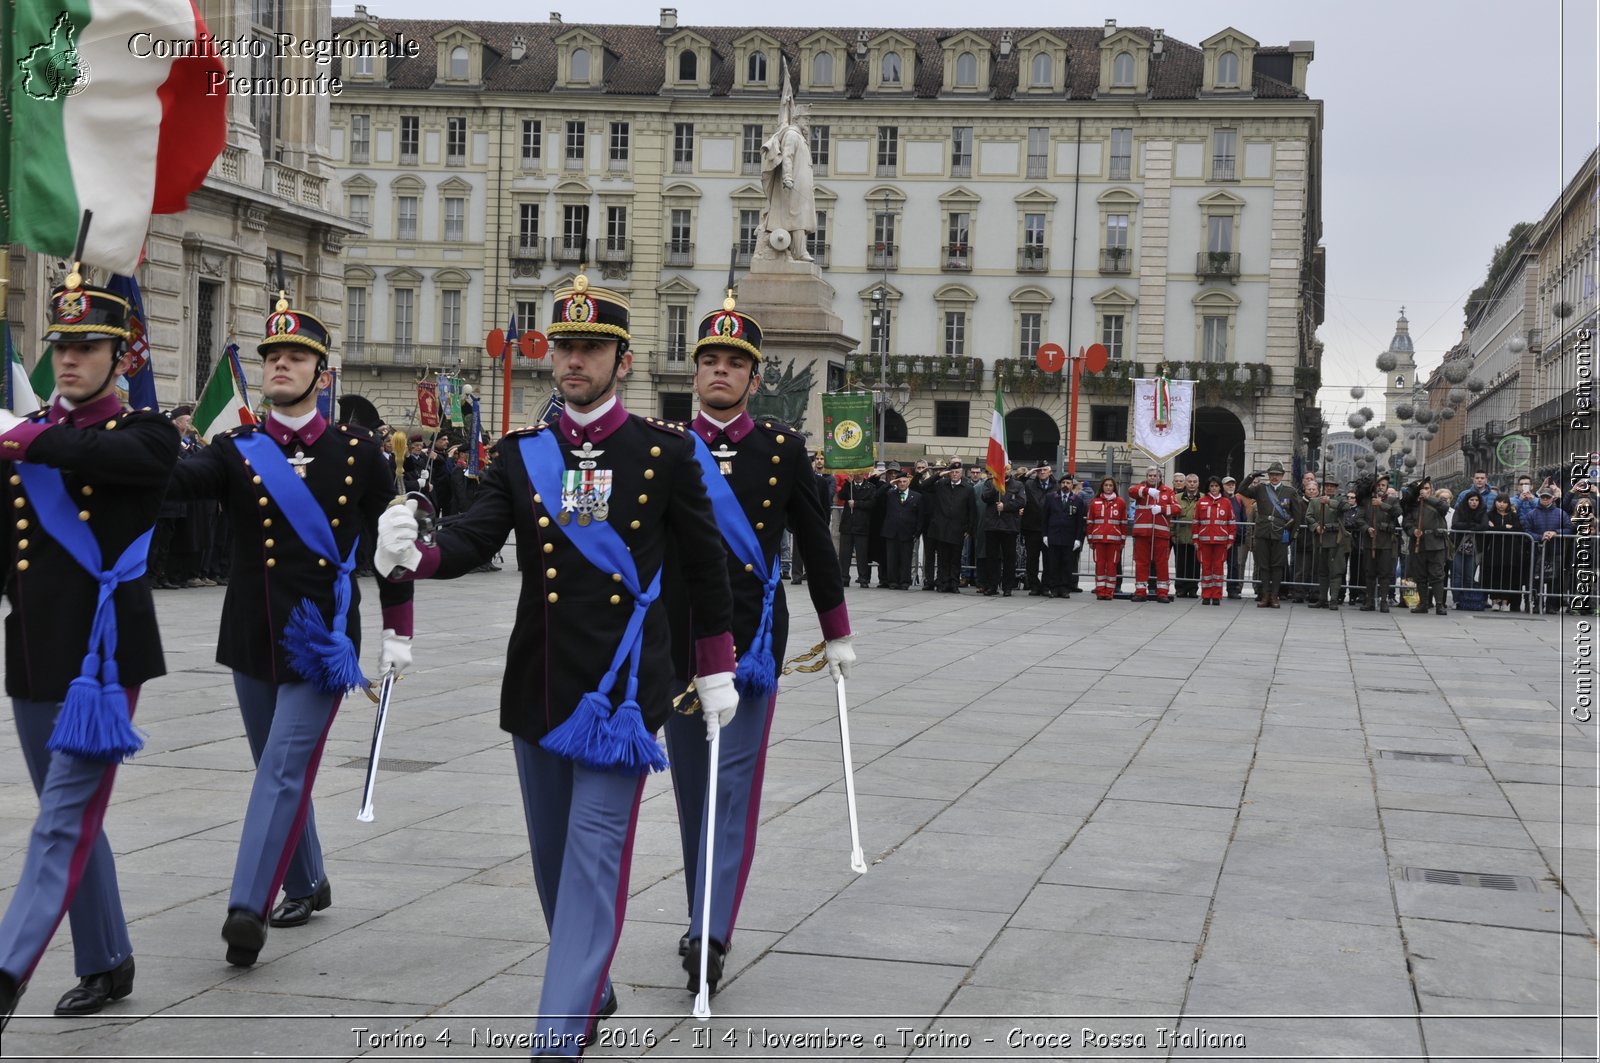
223,404
997,460
93,122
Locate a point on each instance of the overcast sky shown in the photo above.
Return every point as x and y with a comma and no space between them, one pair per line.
1445,123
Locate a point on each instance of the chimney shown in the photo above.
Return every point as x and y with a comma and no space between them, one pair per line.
1111,27
361,13
1005,42
1304,52
555,19
861,42
1158,42
669,21
519,47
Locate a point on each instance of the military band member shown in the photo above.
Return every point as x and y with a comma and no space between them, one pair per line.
302,494
83,481
1277,514
589,679
1377,530
1325,524
756,473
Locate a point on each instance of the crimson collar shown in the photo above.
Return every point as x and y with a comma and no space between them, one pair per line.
308,433
742,426
595,431
84,416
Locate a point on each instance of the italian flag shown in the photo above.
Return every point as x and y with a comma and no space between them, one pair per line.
223,404
95,121
997,441
18,391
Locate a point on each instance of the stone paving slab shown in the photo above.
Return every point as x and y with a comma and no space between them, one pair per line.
1145,822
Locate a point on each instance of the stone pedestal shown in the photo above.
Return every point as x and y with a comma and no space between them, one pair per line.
799,329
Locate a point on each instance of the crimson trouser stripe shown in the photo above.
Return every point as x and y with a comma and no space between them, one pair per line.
69,870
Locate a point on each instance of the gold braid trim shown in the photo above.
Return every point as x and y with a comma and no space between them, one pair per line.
727,341
105,330
295,338
813,660
577,328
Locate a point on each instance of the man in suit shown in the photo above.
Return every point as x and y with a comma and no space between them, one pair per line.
1038,486
757,475
902,521
857,496
593,499
949,523
1278,509
1002,513
825,489
85,465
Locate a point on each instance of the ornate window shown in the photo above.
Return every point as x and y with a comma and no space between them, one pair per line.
1042,71
966,71
822,70
756,68
1122,70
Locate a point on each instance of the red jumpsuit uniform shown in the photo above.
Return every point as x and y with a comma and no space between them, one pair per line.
1154,507
1108,524
1213,535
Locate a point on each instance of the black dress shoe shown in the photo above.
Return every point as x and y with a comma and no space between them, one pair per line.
1369,608
95,991
691,963
10,992
1005,594
1383,607
245,932
608,1008
683,944
296,911
1441,611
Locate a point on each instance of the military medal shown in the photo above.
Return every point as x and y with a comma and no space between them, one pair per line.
300,461
725,455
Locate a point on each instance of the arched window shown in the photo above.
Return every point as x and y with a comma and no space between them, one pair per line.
1122,70
756,72
580,64
1044,70
688,65
822,69
458,62
966,71
891,68
1228,70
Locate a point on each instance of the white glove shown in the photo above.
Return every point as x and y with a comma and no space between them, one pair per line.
397,540
9,420
1078,545
718,700
841,654
1047,540
396,653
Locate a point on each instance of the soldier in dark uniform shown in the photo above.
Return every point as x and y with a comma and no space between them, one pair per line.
589,680
83,484
1325,524
902,523
1376,532
949,522
825,489
1278,508
1430,536
301,494
1002,508
765,485
857,496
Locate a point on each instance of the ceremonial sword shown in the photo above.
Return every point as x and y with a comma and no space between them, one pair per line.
385,691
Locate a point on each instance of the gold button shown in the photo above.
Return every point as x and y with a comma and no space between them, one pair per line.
616,577
776,459
655,452
643,499
111,423
83,514
616,599
549,548
772,481
247,463
255,479
15,480
780,437
270,543
22,525
544,522
767,424
749,568
350,460
22,544
322,562
649,474
334,523
759,526
537,500
261,501
766,503
22,566
342,500
352,442
18,503
271,561
549,573
352,479
634,525
552,597
87,490
267,523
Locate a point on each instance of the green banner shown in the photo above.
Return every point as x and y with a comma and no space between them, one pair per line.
848,442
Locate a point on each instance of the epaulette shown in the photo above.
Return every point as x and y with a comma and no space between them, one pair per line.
783,431
355,431
40,414
242,430
527,429
674,428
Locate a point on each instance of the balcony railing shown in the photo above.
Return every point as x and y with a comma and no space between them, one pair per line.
675,358
680,253
682,165
1115,260
743,252
961,166
750,167
616,165
566,249
1223,167
437,355
958,257
1217,264
819,251
614,250
882,256
1038,167
1121,168
1535,340
1033,258
572,162
525,249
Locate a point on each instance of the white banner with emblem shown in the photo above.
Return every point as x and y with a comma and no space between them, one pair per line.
1163,416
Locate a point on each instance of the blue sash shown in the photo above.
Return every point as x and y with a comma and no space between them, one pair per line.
1272,496
93,723
594,735
324,656
756,675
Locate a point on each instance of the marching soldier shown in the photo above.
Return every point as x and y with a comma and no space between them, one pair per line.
302,495
83,481
1425,512
1377,532
1325,524
592,499
756,473
1277,513
1154,506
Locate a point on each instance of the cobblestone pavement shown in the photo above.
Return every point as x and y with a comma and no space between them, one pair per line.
1094,829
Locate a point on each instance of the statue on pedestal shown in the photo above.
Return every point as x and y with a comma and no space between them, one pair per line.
786,178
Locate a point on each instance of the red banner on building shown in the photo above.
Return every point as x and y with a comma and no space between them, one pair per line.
428,403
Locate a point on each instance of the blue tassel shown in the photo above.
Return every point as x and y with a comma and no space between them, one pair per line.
93,723
325,659
755,677
632,748
580,737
